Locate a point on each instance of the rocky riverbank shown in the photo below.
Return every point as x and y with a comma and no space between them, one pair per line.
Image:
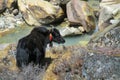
98,60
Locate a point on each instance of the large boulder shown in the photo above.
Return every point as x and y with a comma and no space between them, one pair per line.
39,12
101,67
110,37
80,13
109,13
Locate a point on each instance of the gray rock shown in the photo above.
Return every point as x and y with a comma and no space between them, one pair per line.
8,21
107,38
70,31
109,13
101,67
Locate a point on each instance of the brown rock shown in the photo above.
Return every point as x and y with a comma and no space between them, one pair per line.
79,12
39,12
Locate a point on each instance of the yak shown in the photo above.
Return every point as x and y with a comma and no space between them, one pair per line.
32,47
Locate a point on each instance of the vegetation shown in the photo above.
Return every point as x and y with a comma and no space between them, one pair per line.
28,73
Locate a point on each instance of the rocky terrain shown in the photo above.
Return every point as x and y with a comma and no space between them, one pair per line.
98,60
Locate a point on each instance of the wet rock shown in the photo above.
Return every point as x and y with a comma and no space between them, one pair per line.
109,13
101,67
80,13
39,12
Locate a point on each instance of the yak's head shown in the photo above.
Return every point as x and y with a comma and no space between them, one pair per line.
55,36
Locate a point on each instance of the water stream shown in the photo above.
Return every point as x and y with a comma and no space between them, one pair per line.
20,32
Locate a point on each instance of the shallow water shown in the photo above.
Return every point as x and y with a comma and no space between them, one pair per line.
15,35
20,32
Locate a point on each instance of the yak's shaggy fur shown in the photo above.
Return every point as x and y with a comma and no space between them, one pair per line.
32,47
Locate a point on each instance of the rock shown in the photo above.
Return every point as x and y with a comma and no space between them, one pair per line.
101,67
7,56
39,12
9,21
8,4
12,6
2,5
95,5
107,51
80,13
104,19
110,11
107,38
65,23
59,2
70,31
15,12
109,2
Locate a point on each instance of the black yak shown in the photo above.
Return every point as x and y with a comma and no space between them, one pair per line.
32,47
